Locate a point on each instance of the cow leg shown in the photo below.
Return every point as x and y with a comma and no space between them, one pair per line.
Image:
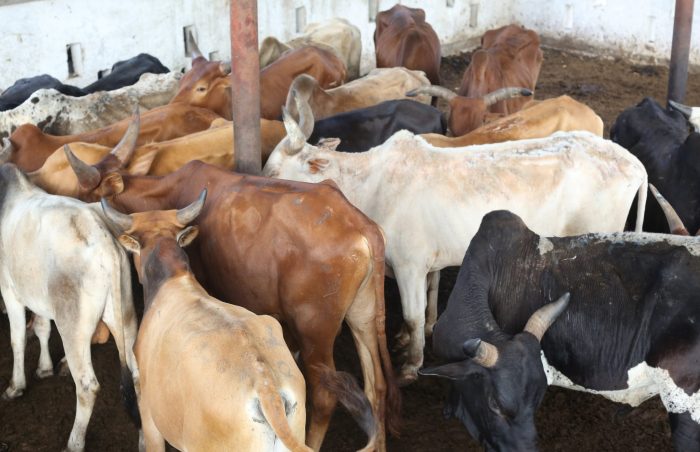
431,312
18,331
76,336
42,328
316,353
685,432
129,330
412,288
152,438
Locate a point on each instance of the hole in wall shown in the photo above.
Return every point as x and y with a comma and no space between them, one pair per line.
569,17
474,15
450,3
300,13
74,54
189,35
373,9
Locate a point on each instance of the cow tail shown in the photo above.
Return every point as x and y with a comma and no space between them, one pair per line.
273,410
121,286
393,398
641,203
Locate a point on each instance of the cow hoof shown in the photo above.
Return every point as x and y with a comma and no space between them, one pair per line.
43,373
11,393
408,376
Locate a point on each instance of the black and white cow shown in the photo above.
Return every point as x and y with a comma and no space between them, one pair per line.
58,258
631,329
661,139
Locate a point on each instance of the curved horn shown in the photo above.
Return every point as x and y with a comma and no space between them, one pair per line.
194,48
122,221
88,176
505,93
433,90
306,116
675,224
543,318
187,214
481,352
295,137
684,109
124,150
7,150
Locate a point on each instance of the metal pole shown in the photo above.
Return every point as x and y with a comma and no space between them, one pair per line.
245,84
680,50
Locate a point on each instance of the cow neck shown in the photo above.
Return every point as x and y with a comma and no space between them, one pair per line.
164,262
356,173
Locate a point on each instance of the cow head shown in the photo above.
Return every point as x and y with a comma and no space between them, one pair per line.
498,387
294,158
692,114
467,114
102,179
207,84
164,232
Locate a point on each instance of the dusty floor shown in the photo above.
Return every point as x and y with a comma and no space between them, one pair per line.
567,421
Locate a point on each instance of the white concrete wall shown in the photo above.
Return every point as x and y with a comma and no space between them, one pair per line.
35,34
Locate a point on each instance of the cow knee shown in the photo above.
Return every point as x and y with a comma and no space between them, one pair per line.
87,388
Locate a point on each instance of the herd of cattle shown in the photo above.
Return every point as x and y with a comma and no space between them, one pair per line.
361,180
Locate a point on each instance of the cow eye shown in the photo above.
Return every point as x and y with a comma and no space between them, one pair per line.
201,89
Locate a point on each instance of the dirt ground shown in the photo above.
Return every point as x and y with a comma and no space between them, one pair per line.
567,421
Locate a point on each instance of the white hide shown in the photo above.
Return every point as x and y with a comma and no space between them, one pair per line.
58,259
643,383
430,201
60,114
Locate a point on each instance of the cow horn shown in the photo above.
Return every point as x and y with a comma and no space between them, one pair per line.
225,67
675,224
503,94
433,90
194,48
543,318
188,214
122,221
295,137
481,352
7,150
126,146
306,116
88,176
684,109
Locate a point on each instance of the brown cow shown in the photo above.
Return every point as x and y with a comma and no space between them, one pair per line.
299,252
509,56
31,147
275,79
213,375
376,87
467,114
538,119
206,85
404,39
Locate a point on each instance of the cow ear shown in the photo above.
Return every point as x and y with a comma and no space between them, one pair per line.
451,371
112,184
141,165
130,243
316,165
186,236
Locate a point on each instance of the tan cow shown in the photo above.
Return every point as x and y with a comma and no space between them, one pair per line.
377,86
538,119
214,376
337,34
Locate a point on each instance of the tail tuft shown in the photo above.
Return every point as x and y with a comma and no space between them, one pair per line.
349,394
129,400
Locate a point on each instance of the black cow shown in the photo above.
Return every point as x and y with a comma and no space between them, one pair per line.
631,330
124,73
128,72
365,128
661,140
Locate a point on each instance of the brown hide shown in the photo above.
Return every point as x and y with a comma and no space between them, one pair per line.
509,56
275,79
537,120
298,252
404,38
206,85
32,147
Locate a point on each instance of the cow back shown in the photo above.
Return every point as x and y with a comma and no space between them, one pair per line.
127,72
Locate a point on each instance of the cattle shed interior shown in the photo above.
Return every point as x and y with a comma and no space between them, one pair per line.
38,35
607,55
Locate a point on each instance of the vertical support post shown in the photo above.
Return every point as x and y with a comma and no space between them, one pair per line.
245,84
680,50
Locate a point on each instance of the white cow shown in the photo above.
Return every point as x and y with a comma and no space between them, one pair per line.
337,35
429,201
59,259
59,114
